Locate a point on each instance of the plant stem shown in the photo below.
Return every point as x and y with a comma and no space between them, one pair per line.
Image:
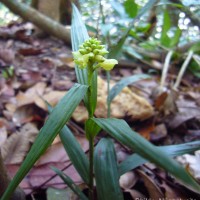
182,70
166,68
89,93
91,139
108,90
91,158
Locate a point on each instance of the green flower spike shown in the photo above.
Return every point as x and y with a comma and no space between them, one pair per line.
91,51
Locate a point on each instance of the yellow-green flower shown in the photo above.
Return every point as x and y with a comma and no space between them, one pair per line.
108,64
92,51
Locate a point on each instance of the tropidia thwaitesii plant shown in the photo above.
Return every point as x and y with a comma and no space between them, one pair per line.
89,55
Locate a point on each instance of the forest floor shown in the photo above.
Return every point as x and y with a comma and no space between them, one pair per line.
34,70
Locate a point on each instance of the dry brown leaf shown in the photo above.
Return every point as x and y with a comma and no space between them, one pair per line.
31,95
159,132
3,135
172,192
57,153
42,173
17,145
27,113
125,104
52,97
153,190
135,194
128,180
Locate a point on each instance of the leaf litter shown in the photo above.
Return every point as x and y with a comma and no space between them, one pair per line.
43,70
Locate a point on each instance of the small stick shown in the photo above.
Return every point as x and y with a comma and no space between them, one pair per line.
182,70
166,68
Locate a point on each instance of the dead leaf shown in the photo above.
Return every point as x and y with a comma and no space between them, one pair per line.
3,135
27,113
52,97
159,132
31,95
125,104
57,153
153,190
30,51
191,163
17,145
135,194
7,55
128,180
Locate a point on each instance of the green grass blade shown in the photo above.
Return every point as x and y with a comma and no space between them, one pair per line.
78,35
106,172
55,122
118,87
120,130
70,183
75,153
136,160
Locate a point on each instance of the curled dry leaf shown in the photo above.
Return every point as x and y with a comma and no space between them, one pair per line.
128,180
153,190
17,145
125,104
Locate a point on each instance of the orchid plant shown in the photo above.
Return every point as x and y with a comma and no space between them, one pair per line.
102,165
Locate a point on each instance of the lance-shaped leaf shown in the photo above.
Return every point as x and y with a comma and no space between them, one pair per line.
120,130
78,36
67,180
55,122
75,153
136,160
116,50
106,172
118,87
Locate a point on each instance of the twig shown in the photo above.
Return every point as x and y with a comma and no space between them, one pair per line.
166,68
182,70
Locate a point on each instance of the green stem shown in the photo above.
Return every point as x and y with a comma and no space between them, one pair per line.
108,90
91,139
89,92
91,157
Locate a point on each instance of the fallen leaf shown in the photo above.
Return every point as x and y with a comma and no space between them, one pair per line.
15,148
153,190
128,180
191,163
3,135
125,104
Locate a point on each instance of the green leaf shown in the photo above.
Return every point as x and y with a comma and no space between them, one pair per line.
70,183
165,40
118,8
55,122
135,160
120,130
131,8
106,172
78,36
91,129
175,39
116,49
117,88
75,153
